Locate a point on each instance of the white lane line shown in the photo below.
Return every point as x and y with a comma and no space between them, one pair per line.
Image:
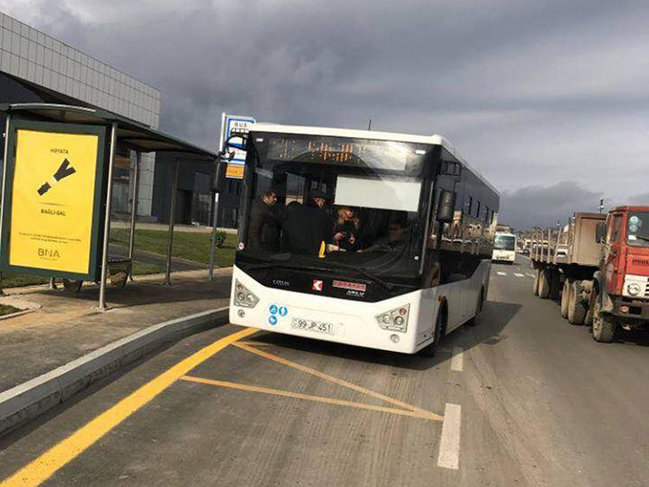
518,274
531,275
457,362
501,273
449,445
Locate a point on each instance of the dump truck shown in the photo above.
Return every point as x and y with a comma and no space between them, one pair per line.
598,266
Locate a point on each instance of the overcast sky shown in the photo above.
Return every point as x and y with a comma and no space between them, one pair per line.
548,99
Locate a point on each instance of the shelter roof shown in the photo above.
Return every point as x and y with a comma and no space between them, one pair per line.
130,134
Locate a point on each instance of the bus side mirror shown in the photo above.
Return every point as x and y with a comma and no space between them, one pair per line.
219,177
446,207
600,232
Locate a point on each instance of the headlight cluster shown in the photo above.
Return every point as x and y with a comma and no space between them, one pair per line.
633,289
395,320
244,297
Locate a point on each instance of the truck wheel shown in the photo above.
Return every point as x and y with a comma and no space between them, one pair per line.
576,309
438,332
537,279
544,284
603,325
565,296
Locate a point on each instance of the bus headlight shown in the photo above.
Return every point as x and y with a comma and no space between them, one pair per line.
244,297
395,319
633,289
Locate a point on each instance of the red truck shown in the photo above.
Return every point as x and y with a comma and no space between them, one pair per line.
599,266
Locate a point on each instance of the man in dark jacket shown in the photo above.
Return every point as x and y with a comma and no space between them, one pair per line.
309,225
263,230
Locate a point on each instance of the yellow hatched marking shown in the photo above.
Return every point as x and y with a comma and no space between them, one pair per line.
46,465
306,397
335,380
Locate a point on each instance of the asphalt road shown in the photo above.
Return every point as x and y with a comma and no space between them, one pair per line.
523,398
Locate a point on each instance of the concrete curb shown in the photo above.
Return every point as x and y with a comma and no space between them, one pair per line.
32,398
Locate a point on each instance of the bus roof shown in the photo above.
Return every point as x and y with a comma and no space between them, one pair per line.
369,134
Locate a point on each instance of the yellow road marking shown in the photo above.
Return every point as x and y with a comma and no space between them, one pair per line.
306,397
60,454
340,382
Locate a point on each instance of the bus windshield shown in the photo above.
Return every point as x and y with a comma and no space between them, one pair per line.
504,242
334,203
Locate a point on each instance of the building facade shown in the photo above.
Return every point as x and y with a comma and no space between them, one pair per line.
35,67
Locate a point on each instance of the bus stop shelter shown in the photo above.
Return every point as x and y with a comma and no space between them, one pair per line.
122,132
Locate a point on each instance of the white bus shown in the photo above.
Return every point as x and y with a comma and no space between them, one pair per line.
504,247
373,239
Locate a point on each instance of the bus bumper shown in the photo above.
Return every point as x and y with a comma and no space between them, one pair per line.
338,320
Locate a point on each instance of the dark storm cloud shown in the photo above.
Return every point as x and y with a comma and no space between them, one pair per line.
530,92
543,206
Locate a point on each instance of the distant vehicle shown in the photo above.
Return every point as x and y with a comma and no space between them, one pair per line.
504,248
599,266
419,263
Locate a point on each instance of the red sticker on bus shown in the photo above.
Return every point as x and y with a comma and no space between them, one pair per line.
317,285
354,286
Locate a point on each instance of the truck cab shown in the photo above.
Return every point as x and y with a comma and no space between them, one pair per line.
620,295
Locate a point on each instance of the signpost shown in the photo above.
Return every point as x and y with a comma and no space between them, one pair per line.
231,125
52,199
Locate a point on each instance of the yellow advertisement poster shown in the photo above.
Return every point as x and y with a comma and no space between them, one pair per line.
52,200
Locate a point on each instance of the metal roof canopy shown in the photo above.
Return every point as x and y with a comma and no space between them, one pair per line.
129,134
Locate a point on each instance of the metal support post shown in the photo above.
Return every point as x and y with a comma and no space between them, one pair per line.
172,220
213,241
109,195
4,179
134,196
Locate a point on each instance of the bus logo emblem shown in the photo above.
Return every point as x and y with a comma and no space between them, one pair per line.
317,285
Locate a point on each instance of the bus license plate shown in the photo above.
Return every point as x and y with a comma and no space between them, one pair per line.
316,326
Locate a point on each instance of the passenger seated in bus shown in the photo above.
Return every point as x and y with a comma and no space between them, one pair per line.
308,226
264,227
394,241
346,229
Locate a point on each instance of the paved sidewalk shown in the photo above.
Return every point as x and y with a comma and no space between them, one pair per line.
64,326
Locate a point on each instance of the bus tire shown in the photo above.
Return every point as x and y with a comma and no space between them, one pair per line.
544,284
576,309
537,279
603,328
478,309
565,294
438,333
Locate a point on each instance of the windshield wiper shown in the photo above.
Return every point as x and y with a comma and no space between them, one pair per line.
270,265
